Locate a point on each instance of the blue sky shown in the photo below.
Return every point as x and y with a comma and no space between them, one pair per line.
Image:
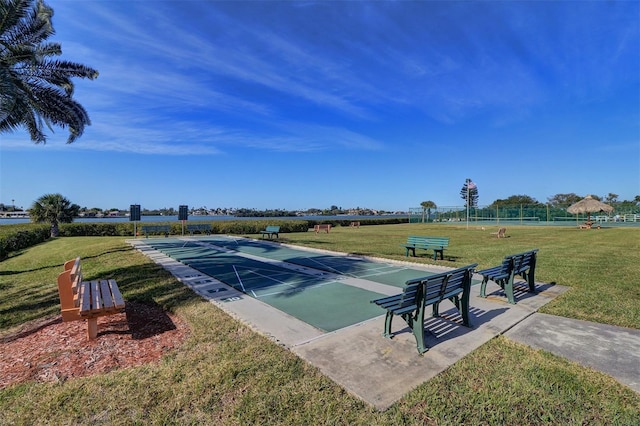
299,105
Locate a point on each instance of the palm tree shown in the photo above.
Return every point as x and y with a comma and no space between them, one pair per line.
53,209
427,205
35,89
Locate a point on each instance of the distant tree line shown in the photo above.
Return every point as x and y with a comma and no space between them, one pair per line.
520,206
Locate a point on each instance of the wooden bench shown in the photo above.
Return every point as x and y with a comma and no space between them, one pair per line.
502,233
589,225
271,231
87,300
324,227
203,228
354,224
523,264
437,244
418,293
156,230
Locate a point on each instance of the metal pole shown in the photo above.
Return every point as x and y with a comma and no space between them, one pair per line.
468,203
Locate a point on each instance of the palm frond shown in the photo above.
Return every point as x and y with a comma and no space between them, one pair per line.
36,90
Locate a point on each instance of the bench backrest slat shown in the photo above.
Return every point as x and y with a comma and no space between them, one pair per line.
410,295
70,263
439,286
434,286
507,266
428,241
273,229
523,261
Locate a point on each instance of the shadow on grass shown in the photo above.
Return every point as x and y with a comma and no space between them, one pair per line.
150,284
143,320
60,265
30,328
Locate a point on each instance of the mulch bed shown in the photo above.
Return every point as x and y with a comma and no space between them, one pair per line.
50,350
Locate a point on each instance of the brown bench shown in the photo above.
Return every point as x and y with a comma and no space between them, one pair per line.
355,224
324,227
502,233
80,300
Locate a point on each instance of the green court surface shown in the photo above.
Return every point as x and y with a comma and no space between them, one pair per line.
304,284
349,266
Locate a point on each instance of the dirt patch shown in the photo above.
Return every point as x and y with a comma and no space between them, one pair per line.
50,350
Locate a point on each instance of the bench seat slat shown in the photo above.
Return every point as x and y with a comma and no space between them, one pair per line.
96,299
105,293
118,300
85,297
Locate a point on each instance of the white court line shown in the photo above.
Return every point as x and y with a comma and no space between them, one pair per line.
298,289
289,284
385,272
333,269
238,276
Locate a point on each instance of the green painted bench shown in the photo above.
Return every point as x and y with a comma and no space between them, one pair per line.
203,228
156,230
437,244
418,293
271,231
523,264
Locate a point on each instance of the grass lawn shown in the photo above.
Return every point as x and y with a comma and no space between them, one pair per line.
227,374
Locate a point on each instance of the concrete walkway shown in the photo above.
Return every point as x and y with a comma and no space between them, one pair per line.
606,348
380,371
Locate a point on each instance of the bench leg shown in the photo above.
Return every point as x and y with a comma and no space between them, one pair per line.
463,307
508,289
528,276
387,325
435,311
417,327
483,287
92,328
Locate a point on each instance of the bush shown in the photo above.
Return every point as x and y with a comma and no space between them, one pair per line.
96,229
22,237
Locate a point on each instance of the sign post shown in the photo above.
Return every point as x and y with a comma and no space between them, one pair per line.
183,215
134,216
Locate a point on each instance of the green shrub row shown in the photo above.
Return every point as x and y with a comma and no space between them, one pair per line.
22,236
97,229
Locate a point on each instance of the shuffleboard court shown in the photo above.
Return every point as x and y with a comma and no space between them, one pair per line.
321,301
350,266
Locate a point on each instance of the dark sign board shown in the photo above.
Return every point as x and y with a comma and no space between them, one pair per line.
134,213
183,214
